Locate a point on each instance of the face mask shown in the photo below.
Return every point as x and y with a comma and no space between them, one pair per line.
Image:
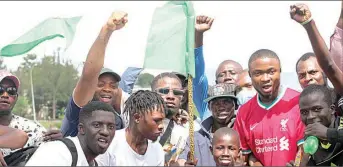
245,95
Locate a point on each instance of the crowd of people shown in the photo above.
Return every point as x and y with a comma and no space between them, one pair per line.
253,119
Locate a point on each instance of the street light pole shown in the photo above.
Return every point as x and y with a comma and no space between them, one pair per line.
33,96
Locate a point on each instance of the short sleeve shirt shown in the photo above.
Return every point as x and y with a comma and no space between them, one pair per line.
33,129
272,133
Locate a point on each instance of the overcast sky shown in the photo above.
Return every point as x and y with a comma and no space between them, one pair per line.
239,29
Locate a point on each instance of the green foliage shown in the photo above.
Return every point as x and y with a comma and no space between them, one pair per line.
53,82
22,106
51,124
144,80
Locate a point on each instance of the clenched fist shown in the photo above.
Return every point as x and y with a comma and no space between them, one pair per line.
203,23
300,12
117,20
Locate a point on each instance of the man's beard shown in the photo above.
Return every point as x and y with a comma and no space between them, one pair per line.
171,112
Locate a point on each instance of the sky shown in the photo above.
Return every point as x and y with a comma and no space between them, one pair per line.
239,29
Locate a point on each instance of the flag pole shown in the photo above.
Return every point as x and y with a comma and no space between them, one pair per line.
191,117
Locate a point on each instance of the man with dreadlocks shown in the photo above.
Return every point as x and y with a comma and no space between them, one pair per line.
136,145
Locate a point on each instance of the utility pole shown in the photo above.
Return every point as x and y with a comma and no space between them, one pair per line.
33,96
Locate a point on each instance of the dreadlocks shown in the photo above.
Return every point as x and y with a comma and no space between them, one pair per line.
141,102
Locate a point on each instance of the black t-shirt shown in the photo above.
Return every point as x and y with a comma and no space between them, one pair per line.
328,155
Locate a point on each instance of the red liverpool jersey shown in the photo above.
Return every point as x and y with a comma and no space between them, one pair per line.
272,133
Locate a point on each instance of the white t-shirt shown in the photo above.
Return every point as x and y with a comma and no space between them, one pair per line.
120,153
56,153
125,117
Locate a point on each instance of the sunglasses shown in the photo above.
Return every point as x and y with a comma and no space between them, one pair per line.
12,91
166,91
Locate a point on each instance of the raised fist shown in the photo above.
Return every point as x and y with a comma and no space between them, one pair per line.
300,12
203,23
117,20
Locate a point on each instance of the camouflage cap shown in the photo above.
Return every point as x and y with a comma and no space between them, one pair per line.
222,90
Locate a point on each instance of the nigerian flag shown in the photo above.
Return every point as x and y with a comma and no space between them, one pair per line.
46,30
170,44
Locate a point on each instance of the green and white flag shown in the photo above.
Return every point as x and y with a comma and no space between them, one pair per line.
46,30
170,44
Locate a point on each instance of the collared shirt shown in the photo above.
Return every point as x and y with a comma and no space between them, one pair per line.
271,132
33,129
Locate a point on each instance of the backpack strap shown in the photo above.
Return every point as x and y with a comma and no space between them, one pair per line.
167,133
72,148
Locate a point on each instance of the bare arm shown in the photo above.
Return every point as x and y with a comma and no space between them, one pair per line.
12,138
336,42
319,47
86,86
203,23
329,67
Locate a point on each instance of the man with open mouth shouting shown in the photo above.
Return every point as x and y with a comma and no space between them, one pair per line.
97,83
96,131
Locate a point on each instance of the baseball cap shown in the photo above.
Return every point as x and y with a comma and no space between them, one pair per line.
5,74
222,90
109,71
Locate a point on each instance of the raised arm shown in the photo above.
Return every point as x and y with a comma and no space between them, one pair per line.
129,78
336,40
12,138
301,14
200,82
85,88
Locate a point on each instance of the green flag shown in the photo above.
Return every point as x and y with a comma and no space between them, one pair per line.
170,44
46,30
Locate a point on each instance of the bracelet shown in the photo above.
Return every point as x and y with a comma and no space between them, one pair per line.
307,21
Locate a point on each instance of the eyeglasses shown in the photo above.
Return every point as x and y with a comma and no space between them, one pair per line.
166,91
12,91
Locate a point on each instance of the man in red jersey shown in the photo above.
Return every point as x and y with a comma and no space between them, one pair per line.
269,124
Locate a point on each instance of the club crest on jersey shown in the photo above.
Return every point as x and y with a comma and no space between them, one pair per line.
283,124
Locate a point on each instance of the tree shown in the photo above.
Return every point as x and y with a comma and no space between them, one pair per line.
53,81
144,80
22,106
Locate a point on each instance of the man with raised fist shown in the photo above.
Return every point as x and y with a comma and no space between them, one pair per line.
97,83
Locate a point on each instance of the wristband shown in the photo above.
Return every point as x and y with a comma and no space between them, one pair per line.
307,21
